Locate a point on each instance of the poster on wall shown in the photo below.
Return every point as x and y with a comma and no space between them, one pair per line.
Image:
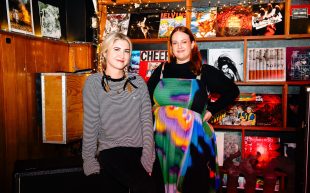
229,61
20,17
49,19
268,19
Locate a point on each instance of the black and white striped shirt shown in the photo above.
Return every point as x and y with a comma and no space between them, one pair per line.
116,118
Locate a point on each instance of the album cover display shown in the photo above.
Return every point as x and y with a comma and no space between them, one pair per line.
299,19
117,22
298,63
20,16
263,148
268,19
229,61
252,109
170,20
144,62
266,64
49,19
203,22
234,21
228,143
144,25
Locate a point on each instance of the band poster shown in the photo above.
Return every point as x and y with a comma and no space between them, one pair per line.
20,18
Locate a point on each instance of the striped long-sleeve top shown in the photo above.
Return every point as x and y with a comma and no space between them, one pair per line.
117,118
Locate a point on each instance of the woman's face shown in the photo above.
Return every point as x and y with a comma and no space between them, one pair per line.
117,57
181,46
225,68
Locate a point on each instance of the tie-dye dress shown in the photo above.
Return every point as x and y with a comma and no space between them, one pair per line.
185,145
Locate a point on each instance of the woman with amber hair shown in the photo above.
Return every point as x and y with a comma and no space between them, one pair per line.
185,143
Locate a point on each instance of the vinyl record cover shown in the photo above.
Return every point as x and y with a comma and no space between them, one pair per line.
170,20
298,63
203,22
229,61
252,109
134,62
144,62
144,25
228,143
234,21
232,144
266,64
20,17
269,110
263,147
117,23
49,19
220,146
300,19
268,19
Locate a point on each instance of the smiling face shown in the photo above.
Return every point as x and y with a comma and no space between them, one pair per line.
181,47
117,58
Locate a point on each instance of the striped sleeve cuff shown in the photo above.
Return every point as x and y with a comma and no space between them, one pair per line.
147,163
91,167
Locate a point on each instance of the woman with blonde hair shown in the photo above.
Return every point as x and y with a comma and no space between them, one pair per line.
118,142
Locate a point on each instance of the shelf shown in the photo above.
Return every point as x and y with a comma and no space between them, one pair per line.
265,83
150,41
260,38
120,2
275,83
303,82
253,128
230,39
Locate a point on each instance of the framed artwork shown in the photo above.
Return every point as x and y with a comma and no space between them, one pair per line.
20,18
49,19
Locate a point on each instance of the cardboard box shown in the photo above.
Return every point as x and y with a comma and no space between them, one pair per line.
62,107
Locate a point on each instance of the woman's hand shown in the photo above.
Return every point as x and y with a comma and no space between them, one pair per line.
207,116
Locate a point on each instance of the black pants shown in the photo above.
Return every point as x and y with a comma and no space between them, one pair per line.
122,171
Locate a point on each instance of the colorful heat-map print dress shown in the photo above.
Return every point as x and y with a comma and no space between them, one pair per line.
185,145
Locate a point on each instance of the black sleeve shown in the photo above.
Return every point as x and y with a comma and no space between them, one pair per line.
153,81
217,82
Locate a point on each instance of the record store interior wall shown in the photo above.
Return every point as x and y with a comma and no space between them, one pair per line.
74,16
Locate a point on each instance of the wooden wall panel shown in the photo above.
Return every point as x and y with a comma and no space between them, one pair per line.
60,57
2,131
21,57
8,62
79,57
39,53
30,62
21,97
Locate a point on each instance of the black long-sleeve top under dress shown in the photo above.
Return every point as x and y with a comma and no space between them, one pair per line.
212,81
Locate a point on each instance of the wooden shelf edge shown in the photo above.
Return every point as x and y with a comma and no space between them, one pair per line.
233,38
253,128
120,2
149,41
269,83
245,83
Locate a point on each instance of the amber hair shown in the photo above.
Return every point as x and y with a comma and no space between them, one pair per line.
196,60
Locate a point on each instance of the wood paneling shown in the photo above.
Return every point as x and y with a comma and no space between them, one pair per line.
21,57
2,131
77,55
